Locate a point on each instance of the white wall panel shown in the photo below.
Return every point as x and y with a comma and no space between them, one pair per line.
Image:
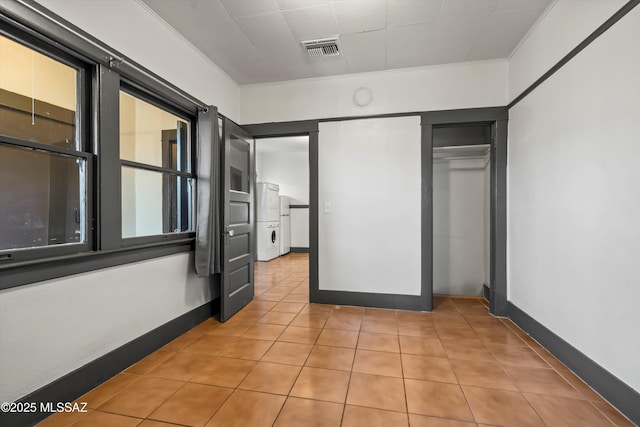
466,85
52,328
459,241
369,173
573,206
290,170
563,27
299,228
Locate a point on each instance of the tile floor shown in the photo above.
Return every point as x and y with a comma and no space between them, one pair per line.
284,362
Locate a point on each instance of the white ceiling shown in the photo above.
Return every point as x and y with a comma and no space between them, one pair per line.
256,41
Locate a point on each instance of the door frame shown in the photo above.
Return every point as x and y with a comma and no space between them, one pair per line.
300,128
498,289
498,117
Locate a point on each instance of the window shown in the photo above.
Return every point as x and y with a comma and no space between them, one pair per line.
43,166
157,179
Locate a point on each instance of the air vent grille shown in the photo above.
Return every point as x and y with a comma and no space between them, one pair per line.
320,48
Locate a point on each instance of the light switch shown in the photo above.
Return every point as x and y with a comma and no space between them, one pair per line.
327,207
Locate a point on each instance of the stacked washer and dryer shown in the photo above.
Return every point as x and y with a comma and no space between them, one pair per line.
273,229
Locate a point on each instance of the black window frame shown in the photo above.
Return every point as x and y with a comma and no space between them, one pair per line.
84,143
105,71
134,89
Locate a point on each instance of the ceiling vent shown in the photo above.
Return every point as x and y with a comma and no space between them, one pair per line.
323,47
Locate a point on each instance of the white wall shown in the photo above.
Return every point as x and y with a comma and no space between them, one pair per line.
459,241
52,328
369,171
299,219
290,170
132,29
563,27
467,85
573,205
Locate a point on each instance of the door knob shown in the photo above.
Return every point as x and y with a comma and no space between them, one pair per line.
231,233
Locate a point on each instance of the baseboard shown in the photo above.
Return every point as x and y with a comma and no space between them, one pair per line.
486,292
299,250
619,394
365,299
87,377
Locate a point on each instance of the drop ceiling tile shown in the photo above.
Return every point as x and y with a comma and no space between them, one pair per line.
300,4
504,5
328,66
476,8
410,12
407,46
246,65
270,29
191,13
312,23
365,51
356,16
243,8
224,35
503,32
453,39
286,59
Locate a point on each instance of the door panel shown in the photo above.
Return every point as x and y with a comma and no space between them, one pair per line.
238,219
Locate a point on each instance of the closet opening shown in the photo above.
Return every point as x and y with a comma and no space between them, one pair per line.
462,226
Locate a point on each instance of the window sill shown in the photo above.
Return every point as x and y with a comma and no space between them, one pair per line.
27,272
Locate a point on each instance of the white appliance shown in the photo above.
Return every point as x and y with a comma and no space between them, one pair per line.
285,226
268,221
268,240
268,202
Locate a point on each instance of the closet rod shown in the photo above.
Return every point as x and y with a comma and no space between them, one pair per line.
462,147
461,157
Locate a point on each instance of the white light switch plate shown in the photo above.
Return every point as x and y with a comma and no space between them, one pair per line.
327,207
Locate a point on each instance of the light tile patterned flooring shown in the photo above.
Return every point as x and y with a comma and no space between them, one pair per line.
284,362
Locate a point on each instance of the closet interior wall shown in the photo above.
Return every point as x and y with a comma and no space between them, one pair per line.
461,210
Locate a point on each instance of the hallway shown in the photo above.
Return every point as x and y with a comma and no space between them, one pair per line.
284,362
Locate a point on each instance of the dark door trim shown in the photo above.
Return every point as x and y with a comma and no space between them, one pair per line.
298,128
496,115
498,118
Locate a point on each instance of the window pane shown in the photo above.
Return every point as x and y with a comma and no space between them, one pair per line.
37,96
42,201
152,136
155,203
239,165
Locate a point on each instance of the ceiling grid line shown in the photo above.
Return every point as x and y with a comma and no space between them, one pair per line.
259,41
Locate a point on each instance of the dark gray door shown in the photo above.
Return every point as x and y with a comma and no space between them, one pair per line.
237,219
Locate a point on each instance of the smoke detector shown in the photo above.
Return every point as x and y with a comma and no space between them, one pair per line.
322,47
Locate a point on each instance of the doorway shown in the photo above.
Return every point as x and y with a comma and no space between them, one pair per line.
286,158
466,215
461,209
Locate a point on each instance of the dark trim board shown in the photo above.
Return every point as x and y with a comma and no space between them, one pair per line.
266,130
619,394
299,250
63,266
626,8
298,206
85,378
365,299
